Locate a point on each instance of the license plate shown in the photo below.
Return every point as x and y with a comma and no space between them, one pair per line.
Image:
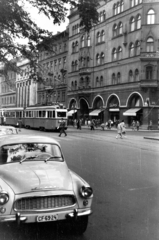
47,218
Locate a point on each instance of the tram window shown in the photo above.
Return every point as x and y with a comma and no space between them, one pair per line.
17,114
49,114
27,114
42,113
30,114
61,114
53,114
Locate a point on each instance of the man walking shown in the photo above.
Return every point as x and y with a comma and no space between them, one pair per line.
120,129
62,127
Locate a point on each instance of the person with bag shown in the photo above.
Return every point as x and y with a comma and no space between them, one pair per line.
62,127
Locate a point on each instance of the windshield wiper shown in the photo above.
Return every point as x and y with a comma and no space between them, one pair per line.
31,157
47,159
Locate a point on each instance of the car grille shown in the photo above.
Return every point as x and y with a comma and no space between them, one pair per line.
47,202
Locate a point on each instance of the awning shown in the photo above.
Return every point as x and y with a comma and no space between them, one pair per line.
70,113
113,109
95,112
131,112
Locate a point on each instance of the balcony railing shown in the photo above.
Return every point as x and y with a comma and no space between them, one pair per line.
149,83
84,70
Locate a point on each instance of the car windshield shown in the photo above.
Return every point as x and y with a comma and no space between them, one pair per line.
30,152
4,131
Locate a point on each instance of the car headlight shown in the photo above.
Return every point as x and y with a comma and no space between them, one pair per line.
4,197
86,192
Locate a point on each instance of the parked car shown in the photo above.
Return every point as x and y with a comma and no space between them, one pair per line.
36,185
5,130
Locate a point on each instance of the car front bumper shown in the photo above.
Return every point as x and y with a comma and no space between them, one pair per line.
31,218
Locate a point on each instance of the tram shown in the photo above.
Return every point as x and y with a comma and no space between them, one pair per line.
36,117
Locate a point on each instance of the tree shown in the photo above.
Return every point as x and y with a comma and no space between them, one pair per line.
16,23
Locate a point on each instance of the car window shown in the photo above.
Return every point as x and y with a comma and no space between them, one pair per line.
30,152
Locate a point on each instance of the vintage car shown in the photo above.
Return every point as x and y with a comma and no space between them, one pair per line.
37,186
5,130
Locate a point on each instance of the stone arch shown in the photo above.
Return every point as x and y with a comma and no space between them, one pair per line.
135,99
97,102
115,96
72,103
84,107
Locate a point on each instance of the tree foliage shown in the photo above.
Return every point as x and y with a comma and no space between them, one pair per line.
16,23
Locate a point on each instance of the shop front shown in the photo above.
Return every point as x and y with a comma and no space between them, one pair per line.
113,109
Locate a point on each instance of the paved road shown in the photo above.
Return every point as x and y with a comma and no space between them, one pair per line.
124,174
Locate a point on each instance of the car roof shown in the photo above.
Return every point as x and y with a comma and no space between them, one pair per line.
25,138
5,127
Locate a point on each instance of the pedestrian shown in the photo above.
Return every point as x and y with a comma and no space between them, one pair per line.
79,124
20,124
133,125
123,129
109,124
92,124
120,129
62,127
4,120
116,123
137,125
150,125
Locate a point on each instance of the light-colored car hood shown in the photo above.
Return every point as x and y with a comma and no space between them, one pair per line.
39,176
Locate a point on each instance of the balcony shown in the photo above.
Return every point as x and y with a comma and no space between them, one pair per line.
149,55
85,71
149,83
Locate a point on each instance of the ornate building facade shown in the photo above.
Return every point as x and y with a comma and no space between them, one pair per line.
26,88
53,67
113,69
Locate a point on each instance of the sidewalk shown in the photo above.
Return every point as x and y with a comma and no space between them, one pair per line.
127,129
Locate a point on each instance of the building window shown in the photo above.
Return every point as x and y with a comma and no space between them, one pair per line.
73,47
114,54
131,50
132,3
75,85
118,77
115,28
130,76
102,58
98,37
73,64
102,36
97,81
82,41
136,75
122,5
76,46
149,71
113,79
150,45
120,28
72,85
98,59
138,22
76,65
118,7
88,41
137,48
115,9
119,53
151,17
101,81
132,24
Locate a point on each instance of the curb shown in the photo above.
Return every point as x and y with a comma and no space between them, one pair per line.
152,138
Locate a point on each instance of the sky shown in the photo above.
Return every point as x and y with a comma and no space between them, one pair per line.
42,21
